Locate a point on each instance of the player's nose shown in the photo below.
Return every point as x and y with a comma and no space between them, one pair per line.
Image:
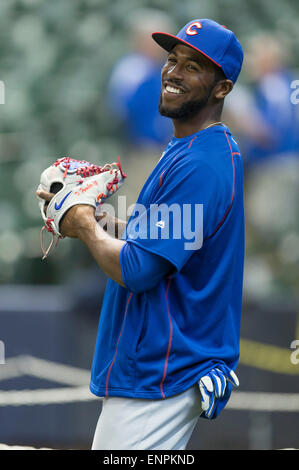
175,72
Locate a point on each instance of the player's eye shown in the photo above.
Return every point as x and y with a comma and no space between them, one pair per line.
192,67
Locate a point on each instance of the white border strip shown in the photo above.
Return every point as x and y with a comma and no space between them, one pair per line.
46,396
246,401
255,401
78,390
43,369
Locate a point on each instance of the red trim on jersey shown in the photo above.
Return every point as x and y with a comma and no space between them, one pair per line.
161,179
192,141
233,192
122,327
169,340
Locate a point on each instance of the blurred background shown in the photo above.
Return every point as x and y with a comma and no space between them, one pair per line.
82,78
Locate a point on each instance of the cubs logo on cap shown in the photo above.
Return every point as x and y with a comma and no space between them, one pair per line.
192,28
215,41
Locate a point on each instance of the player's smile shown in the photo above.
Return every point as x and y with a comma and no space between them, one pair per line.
172,89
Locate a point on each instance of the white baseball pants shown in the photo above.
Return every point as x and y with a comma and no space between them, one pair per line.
139,424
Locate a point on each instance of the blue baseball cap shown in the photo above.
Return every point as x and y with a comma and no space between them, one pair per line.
211,39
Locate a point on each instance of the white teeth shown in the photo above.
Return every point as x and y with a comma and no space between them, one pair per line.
171,89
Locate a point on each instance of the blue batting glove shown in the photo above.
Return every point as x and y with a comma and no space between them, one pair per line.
212,387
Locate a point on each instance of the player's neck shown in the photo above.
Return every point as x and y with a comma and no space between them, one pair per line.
204,119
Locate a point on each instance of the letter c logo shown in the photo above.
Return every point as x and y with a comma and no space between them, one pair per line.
191,31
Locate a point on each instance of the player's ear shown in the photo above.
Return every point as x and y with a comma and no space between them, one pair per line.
223,88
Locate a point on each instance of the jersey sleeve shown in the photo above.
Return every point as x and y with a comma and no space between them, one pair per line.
142,270
185,210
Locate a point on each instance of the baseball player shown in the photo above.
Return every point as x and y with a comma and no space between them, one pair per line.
168,337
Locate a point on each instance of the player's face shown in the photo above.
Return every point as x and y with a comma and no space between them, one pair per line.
188,79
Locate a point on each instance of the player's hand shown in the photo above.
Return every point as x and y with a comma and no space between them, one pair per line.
46,196
76,218
213,386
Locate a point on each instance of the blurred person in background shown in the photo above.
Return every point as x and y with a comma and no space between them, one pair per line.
270,128
265,120
133,96
134,86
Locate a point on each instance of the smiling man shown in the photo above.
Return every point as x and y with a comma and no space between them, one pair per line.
168,338
194,90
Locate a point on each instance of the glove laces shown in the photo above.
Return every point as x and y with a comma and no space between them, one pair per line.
49,229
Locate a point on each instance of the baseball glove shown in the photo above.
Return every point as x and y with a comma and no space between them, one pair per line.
74,182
